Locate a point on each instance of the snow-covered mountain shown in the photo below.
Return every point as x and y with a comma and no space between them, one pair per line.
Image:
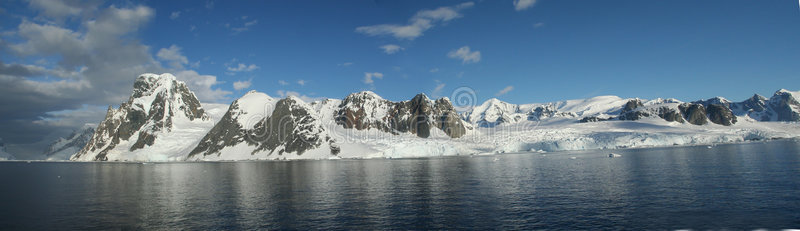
64,147
367,110
258,126
4,155
494,112
163,121
160,121
782,106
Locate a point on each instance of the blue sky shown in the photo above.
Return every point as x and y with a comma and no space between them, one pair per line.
64,62
684,49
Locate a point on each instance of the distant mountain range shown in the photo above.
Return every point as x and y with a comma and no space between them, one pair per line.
4,155
164,121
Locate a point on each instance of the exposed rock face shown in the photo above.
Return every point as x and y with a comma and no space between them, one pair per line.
65,147
157,100
229,131
365,110
720,114
694,113
267,126
755,107
292,128
594,119
546,111
782,106
719,111
448,119
638,112
631,105
670,114
785,106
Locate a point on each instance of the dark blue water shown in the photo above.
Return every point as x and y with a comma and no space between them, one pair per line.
738,186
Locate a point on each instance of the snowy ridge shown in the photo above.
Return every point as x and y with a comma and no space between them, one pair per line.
64,147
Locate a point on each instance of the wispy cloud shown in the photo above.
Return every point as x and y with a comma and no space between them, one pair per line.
245,27
283,83
173,56
243,68
346,64
239,85
538,25
434,70
301,82
520,5
175,15
436,93
391,48
465,55
422,21
304,98
504,91
368,77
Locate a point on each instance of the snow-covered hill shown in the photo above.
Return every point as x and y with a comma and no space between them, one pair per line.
64,147
4,155
163,121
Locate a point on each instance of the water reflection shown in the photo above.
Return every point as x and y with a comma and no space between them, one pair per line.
734,186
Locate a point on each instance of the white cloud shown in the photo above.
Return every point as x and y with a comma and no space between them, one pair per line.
239,85
520,5
243,68
301,82
391,48
202,85
245,27
283,83
538,25
73,117
438,90
434,70
368,77
422,21
91,62
465,54
504,91
173,56
58,10
175,15
305,98
192,28
346,64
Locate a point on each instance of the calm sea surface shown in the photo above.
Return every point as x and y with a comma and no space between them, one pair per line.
738,186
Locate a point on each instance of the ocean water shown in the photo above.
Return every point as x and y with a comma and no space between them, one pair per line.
736,186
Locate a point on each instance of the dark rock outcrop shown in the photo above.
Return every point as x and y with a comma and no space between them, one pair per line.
694,113
631,105
720,114
785,106
594,119
365,110
291,127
